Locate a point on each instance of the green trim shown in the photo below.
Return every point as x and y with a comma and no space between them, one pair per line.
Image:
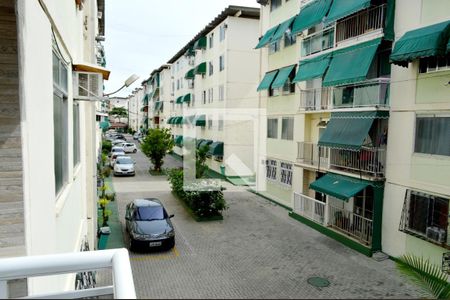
270,199
334,235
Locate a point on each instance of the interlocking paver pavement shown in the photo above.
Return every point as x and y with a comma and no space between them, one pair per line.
257,251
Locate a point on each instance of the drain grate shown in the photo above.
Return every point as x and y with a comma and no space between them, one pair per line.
318,282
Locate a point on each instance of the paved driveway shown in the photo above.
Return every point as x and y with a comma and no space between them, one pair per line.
257,251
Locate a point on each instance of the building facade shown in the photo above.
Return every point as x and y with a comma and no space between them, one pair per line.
134,109
48,130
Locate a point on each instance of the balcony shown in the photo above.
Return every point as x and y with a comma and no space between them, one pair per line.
363,22
371,93
341,220
70,263
318,42
369,160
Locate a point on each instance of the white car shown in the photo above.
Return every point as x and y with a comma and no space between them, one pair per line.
124,165
115,156
129,147
118,142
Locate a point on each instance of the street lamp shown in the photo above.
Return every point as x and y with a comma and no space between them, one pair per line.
127,83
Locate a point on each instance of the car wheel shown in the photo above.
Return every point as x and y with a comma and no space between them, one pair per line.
135,150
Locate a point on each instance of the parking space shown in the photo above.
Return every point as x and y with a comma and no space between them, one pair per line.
257,251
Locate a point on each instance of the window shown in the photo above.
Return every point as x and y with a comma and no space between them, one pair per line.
181,82
193,100
274,47
211,40
221,62
289,85
272,128
425,216
271,169
286,173
274,92
289,38
76,134
210,122
178,84
60,124
432,135
433,63
287,129
221,92
222,32
220,126
274,4
210,95
211,68
204,97
173,87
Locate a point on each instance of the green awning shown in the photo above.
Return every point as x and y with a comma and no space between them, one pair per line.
201,68
338,186
177,120
155,93
190,51
187,98
169,120
342,8
312,68
105,125
351,64
266,38
423,42
216,149
205,143
190,74
199,141
282,76
178,140
200,43
158,105
310,15
348,130
282,29
200,120
145,99
179,100
267,80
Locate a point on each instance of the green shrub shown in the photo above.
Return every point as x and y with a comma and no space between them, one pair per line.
204,204
106,146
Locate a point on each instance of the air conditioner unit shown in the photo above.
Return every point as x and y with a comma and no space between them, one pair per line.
436,234
87,86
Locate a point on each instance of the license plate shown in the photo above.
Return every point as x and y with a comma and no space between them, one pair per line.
154,244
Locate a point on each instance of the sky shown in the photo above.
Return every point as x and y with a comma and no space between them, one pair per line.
142,35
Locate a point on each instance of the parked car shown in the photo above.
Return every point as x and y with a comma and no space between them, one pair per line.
120,136
148,225
129,147
117,142
137,135
124,165
115,156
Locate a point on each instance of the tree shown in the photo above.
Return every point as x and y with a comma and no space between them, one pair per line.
156,144
200,165
119,112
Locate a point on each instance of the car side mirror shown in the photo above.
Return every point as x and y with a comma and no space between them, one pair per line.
171,216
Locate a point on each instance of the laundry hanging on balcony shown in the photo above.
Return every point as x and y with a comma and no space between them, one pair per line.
348,130
433,40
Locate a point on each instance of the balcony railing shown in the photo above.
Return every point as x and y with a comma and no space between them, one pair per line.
354,225
309,208
363,22
318,42
308,153
368,160
79,262
371,93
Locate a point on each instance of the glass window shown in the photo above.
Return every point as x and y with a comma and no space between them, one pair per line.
76,134
289,38
432,135
150,213
220,127
221,62
274,47
272,128
432,64
221,92
274,4
60,140
222,32
210,122
204,97
211,40
286,173
289,85
211,68
287,128
271,169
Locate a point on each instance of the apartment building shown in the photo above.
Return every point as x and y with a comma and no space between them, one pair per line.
325,85
134,108
417,192
48,130
214,79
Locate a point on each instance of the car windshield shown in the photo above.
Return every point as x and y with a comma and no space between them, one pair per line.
150,213
124,161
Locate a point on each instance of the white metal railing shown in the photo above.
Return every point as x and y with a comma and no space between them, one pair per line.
308,153
370,93
318,41
309,208
363,22
371,160
55,264
356,226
